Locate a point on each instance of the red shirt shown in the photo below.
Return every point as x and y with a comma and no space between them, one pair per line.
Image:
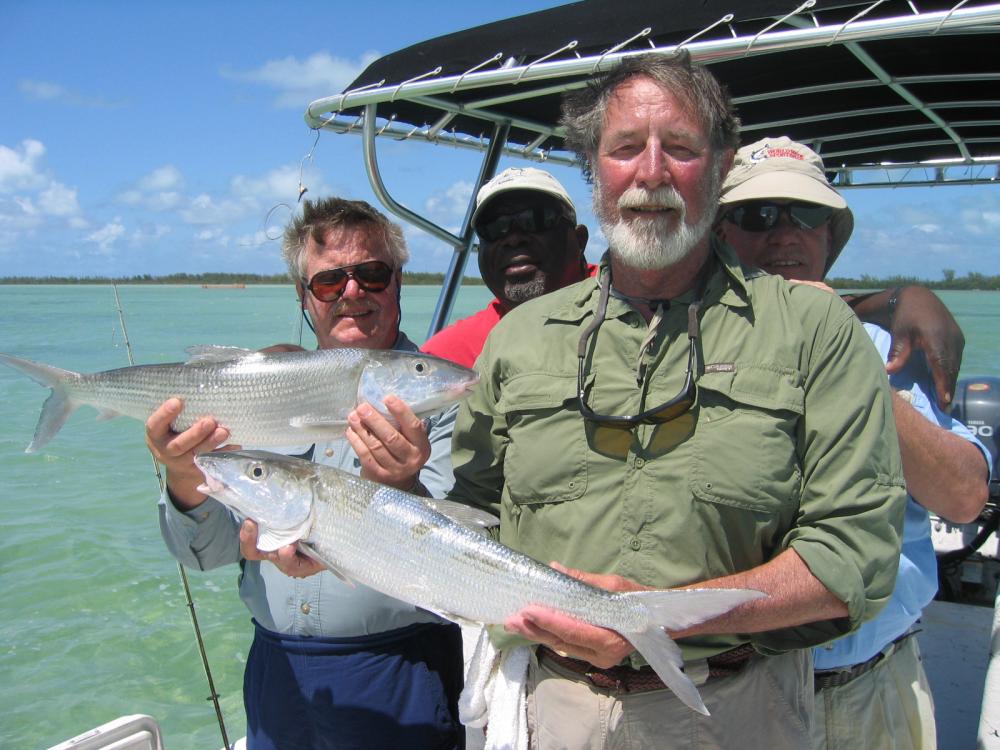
463,340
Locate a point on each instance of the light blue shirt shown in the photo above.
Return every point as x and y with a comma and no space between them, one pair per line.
320,605
916,581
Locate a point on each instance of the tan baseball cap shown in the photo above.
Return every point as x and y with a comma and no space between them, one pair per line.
523,178
783,169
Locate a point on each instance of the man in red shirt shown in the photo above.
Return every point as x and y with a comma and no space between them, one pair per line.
529,244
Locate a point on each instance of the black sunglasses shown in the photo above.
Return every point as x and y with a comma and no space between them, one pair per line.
668,410
760,216
328,285
534,220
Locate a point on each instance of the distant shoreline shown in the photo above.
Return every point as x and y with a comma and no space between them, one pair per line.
970,282
212,280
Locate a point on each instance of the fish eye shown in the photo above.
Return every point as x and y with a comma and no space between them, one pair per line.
420,368
256,471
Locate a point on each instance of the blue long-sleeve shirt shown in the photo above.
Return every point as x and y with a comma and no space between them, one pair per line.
321,605
916,581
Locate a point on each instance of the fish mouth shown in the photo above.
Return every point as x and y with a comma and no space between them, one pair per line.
211,486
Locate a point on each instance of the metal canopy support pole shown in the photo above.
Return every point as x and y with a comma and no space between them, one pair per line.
375,178
456,269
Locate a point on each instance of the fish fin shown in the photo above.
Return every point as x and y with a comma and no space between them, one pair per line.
104,414
55,411
311,552
674,610
681,608
466,515
452,617
320,425
57,407
214,353
46,375
369,389
268,539
664,656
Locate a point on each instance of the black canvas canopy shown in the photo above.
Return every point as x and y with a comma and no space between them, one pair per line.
865,83
889,92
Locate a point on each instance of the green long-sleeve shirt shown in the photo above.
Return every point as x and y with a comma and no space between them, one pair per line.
791,443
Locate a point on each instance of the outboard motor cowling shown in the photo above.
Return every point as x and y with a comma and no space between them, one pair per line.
977,405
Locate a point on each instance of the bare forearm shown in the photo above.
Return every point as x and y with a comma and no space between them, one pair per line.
943,472
873,307
795,596
183,490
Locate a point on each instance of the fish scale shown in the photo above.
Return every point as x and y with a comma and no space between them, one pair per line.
423,552
263,399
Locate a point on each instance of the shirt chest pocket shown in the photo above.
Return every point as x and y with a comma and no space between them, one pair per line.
745,448
546,458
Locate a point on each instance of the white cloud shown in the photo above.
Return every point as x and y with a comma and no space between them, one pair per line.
19,168
46,91
204,209
452,203
59,200
149,233
157,191
281,184
107,235
300,81
167,177
256,239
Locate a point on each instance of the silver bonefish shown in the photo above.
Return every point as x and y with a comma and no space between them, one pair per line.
263,399
425,553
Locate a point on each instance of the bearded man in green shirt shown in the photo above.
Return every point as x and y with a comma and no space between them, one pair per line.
680,421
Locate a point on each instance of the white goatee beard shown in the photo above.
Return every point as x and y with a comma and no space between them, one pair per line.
652,244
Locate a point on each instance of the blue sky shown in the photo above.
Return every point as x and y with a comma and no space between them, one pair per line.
142,137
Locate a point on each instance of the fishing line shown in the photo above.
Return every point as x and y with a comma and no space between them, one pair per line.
189,600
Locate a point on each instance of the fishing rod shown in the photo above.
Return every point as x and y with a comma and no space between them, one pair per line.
189,600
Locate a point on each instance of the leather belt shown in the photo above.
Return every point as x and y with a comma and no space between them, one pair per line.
628,680
828,678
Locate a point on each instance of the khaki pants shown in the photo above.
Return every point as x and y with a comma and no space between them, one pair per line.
888,708
768,705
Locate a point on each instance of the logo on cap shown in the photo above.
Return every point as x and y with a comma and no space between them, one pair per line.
775,152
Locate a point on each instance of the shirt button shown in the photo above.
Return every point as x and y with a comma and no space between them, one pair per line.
639,463
635,544
305,608
328,452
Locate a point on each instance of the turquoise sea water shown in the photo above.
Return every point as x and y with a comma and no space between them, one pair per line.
92,617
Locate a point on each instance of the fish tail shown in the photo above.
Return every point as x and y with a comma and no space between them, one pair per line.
664,656
675,610
57,407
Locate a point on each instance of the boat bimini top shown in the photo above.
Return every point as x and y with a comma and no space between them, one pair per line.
889,92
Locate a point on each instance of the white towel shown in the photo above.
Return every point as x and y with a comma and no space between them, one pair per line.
495,695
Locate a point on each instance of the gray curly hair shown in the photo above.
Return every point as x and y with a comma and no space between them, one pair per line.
320,216
584,111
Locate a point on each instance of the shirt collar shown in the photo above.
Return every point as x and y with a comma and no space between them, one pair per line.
727,286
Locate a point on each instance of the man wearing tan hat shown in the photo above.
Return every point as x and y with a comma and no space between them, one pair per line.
779,213
913,314
529,244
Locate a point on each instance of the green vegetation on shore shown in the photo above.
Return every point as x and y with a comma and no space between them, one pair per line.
422,279
971,281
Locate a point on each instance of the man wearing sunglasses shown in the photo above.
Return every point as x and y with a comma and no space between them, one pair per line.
529,244
675,423
779,213
332,664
